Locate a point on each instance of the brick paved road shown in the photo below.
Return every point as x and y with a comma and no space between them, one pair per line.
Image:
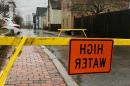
34,68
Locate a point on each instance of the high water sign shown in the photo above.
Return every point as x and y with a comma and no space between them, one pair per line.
90,56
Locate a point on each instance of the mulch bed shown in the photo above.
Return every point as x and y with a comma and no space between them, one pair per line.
5,53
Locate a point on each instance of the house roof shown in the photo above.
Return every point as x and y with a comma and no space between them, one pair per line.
41,11
56,4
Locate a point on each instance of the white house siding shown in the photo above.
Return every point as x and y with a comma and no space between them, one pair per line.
11,11
55,16
40,22
45,21
11,8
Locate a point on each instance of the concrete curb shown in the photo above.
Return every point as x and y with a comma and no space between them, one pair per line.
68,80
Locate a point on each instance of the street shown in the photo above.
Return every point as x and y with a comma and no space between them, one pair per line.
27,32
120,72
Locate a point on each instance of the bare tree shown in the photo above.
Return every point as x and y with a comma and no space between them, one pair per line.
99,6
92,6
18,19
4,8
96,6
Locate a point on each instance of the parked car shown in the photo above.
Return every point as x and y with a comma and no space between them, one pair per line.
12,29
10,25
16,25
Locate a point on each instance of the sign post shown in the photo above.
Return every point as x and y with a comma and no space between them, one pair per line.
90,56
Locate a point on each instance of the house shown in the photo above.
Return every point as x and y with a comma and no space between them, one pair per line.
50,17
41,17
72,9
12,7
54,15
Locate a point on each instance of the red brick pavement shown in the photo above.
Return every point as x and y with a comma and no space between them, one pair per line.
34,68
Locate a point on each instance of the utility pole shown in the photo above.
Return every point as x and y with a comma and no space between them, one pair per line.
48,12
34,21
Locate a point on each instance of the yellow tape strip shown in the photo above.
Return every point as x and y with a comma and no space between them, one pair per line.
9,40
51,41
11,61
72,29
47,41
122,42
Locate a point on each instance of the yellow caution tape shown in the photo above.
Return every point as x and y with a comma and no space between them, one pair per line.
72,29
11,61
51,41
122,42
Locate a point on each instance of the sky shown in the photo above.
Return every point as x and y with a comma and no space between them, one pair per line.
26,7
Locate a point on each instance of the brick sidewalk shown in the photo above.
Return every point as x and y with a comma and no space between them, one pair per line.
34,68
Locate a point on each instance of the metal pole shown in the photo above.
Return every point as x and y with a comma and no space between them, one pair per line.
48,13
